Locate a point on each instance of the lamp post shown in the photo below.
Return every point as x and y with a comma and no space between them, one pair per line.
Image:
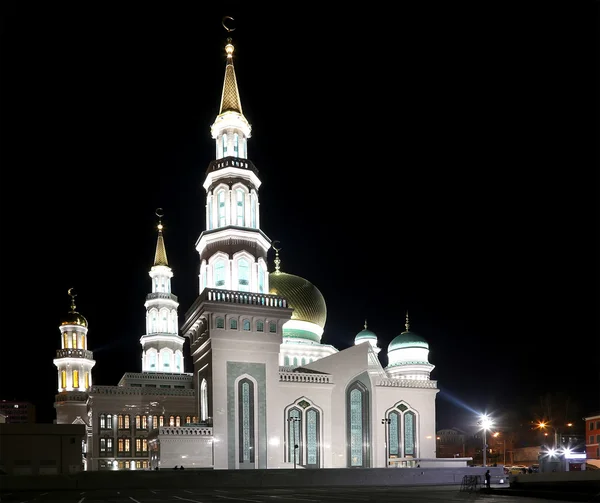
294,420
385,422
543,425
485,422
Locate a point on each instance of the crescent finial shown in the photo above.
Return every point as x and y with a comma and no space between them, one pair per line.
227,28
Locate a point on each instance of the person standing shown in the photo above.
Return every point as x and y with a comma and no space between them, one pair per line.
488,479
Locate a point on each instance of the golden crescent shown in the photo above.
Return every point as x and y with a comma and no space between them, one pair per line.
160,213
71,293
224,25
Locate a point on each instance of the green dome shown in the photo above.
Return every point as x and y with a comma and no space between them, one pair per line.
365,334
408,340
303,297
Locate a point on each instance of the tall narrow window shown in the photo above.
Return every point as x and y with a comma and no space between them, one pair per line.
243,275
224,145
109,421
154,421
76,378
233,324
294,436
236,145
261,280
260,326
63,379
246,421
312,438
152,360
394,434
177,420
253,210
161,420
210,212
74,340
127,421
246,325
144,422
102,421
220,274
87,380
138,422
203,400
120,423
272,327
178,361
83,342
357,417
65,340
409,434
221,207
239,207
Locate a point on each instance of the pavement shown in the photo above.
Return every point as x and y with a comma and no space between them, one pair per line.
417,494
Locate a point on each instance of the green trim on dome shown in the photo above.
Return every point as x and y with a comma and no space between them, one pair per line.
365,334
300,335
408,340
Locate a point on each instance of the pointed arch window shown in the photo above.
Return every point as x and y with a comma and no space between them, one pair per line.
109,421
261,280
409,434
239,207
224,139
246,421
221,207
286,360
294,435
357,419
65,340
178,361
102,421
243,275
313,440
171,420
74,340
152,360
236,145
220,273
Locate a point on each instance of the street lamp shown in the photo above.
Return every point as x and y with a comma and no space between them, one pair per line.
543,425
485,422
294,420
385,422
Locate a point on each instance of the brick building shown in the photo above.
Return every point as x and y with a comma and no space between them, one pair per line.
592,436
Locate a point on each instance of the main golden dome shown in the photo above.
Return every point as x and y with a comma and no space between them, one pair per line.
303,297
74,318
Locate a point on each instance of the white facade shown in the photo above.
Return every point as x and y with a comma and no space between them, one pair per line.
265,392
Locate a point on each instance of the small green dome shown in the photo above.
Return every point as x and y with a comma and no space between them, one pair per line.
408,340
365,334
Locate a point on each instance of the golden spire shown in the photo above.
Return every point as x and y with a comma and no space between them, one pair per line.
230,99
277,259
72,294
407,324
160,257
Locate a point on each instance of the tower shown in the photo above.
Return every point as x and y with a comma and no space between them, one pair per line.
235,326
74,363
162,346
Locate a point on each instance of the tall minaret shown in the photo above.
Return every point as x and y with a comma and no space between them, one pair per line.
233,249
162,346
74,363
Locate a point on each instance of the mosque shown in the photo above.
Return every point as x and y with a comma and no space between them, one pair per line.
265,392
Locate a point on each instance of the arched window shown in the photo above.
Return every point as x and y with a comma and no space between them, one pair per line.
246,325
239,207
409,434
177,420
203,400
243,275
165,360
313,438
210,213
188,419
76,378
87,380
294,435
236,145
152,360
220,323
165,321
171,420
63,379
246,421
261,280
272,327
178,361
220,273
394,434
138,422
357,418
153,322
221,208
102,421
286,360
224,139
65,340
295,361
109,421
253,210
233,324
260,326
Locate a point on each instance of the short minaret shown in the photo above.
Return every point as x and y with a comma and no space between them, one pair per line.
162,346
74,363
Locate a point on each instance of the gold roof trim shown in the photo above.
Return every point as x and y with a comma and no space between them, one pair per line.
230,99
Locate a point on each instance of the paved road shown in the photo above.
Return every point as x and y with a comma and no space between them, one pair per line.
429,494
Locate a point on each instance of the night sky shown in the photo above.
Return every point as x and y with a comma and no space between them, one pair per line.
438,157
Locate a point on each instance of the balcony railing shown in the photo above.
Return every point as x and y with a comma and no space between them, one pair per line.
407,383
236,297
161,295
231,162
74,353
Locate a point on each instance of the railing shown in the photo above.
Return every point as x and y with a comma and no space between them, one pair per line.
231,162
185,430
304,377
250,298
470,483
161,295
145,390
71,396
74,353
406,383
162,376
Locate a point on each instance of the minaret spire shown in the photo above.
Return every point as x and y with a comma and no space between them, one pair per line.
160,257
277,259
406,323
230,98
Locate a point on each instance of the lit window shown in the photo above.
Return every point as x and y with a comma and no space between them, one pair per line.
171,420
87,380
127,419
74,340
66,344
138,422
188,419
161,420
102,421
109,421
236,145
221,207
76,378
260,326
178,421
63,379
239,197
246,325
243,275
120,422
144,422
224,138
220,273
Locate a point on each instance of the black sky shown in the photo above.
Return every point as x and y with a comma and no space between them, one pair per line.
435,157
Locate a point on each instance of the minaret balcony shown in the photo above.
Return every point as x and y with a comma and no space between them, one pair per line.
161,295
231,162
237,297
74,353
